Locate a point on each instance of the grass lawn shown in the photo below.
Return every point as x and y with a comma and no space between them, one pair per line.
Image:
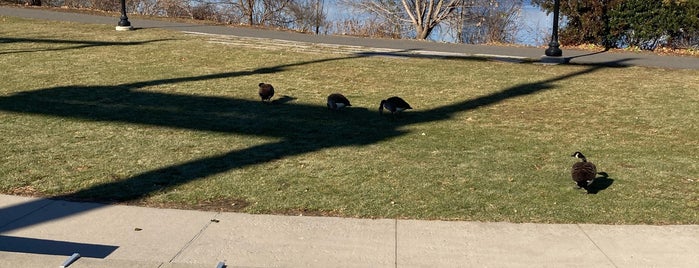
160,118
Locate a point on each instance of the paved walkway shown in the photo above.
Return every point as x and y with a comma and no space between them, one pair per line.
44,233
411,46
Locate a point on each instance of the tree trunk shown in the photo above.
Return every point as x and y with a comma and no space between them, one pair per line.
422,32
251,12
425,15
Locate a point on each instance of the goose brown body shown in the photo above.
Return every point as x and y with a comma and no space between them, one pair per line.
266,91
337,101
583,172
394,105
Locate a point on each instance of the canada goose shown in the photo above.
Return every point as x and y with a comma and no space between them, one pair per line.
583,172
337,101
394,105
266,91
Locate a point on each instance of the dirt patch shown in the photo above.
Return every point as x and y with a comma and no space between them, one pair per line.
222,205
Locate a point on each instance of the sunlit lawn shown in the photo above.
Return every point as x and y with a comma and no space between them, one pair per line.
160,118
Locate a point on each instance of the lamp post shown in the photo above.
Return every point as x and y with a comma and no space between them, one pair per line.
553,50
124,24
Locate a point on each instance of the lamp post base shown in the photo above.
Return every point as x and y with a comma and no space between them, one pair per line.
553,60
124,28
554,50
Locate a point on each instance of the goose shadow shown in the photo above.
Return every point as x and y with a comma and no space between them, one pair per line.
601,182
284,99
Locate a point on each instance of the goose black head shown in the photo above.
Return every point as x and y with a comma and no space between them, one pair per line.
579,155
381,105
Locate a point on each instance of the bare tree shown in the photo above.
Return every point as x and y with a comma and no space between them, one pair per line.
176,8
146,7
319,17
489,21
309,15
422,15
372,27
263,12
426,15
485,21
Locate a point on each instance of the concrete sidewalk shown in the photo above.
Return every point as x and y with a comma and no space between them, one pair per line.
410,46
126,236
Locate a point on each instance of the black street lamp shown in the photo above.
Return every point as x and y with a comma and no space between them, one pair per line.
553,50
124,24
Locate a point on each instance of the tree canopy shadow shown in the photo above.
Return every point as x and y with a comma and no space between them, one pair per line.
300,128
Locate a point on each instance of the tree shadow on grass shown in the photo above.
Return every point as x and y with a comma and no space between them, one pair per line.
69,44
300,128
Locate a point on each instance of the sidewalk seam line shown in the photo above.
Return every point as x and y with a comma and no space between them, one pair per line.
395,245
186,245
597,246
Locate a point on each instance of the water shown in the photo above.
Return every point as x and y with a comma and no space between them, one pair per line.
534,24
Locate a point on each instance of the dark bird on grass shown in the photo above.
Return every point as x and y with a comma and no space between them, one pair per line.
266,92
337,101
583,172
394,105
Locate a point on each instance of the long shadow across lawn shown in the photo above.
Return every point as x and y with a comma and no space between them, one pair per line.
300,128
70,44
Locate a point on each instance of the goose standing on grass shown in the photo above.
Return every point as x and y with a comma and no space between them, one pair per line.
583,172
266,92
394,105
337,101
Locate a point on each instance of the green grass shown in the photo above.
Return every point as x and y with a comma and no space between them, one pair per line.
159,118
